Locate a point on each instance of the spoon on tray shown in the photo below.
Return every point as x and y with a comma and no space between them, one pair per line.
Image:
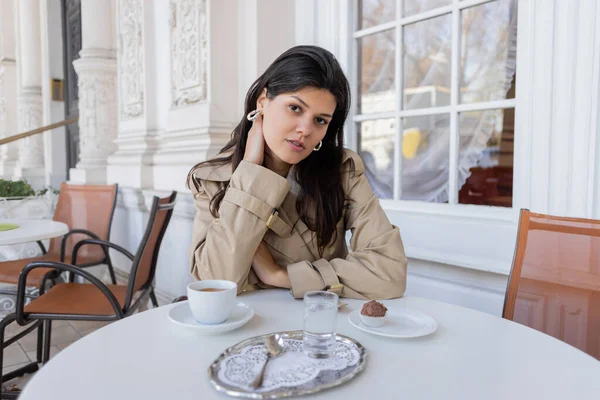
274,348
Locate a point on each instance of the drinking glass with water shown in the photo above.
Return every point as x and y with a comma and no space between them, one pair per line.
320,315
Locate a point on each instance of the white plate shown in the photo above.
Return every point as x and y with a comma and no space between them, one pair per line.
182,315
399,323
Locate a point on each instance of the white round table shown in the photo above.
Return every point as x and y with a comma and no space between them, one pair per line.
472,355
30,230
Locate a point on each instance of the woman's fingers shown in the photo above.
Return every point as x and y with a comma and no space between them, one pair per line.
255,145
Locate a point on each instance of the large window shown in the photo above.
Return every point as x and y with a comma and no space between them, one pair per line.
435,95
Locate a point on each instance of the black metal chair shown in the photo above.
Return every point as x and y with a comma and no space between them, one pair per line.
88,302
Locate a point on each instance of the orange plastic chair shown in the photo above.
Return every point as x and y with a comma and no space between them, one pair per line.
88,211
554,285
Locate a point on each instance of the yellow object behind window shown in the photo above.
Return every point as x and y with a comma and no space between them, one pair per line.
410,142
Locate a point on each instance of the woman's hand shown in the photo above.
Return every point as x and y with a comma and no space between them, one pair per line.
267,271
255,145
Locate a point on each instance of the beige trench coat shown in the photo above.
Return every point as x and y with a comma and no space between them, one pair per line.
261,205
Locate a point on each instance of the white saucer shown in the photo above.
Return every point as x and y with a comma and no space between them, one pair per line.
182,316
399,323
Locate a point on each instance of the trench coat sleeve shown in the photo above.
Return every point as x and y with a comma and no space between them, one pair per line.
375,267
224,247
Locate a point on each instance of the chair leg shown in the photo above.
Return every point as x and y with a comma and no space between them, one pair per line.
27,369
153,298
111,270
3,324
47,340
40,343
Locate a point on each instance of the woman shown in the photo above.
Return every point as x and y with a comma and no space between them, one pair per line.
273,208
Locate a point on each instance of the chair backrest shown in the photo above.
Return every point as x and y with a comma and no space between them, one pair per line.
89,207
554,286
144,264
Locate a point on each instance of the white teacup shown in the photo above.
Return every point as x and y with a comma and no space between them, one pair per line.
211,306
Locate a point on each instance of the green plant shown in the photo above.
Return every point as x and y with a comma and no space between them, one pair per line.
15,188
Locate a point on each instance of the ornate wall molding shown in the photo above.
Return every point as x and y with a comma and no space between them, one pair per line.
97,110
31,149
131,58
189,51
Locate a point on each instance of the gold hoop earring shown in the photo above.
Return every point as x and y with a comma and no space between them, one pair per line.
318,147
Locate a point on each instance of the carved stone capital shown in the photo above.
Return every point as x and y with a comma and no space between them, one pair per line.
97,81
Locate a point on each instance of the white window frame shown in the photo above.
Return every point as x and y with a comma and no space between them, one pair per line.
454,109
470,236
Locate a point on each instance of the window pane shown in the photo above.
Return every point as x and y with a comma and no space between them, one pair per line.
489,47
375,12
486,145
425,158
412,7
376,71
427,59
376,148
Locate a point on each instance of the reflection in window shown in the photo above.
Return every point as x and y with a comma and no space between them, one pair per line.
425,158
427,59
487,71
376,148
375,12
412,7
376,72
490,180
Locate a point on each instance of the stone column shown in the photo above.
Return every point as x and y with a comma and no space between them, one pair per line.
30,164
97,79
8,89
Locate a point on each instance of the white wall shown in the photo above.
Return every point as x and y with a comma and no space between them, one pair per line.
474,289
161,54
54,111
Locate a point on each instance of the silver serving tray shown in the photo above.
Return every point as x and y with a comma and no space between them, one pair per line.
330,378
